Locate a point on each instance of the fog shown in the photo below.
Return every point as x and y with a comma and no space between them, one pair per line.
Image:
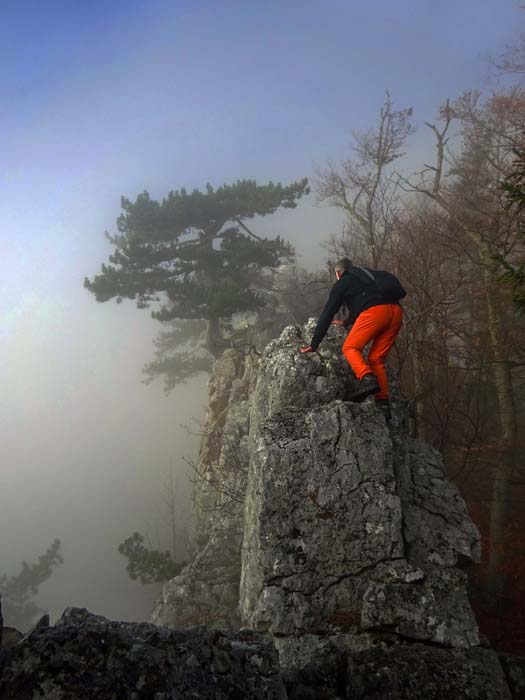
108,99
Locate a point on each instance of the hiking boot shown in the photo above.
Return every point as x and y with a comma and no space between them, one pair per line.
367,386
384,406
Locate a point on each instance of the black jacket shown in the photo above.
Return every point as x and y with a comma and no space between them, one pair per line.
357,292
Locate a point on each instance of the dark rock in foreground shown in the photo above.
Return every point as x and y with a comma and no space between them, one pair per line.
87,656
10,637
382,667
417,671
514,669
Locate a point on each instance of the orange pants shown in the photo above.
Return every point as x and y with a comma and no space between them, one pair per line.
380,324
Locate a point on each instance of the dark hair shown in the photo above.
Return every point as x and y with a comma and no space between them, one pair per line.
343,264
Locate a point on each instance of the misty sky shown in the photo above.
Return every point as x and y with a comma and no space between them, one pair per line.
107,98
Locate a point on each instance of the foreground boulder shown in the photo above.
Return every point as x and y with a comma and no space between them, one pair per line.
417,671
383,667
87,656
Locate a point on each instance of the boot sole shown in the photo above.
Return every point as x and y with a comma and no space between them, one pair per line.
360,396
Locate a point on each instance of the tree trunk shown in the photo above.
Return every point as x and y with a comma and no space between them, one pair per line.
419,388
503,467
214,339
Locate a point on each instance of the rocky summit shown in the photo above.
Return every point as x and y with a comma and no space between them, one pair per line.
329,559
332,531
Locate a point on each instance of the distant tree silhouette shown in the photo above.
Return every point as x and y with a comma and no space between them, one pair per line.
18,591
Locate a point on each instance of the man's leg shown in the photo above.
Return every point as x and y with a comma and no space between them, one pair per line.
382,345
369,324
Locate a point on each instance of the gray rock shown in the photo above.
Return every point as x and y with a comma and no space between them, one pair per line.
380,667
347,522
313,667
417,671
437,528
345,539
436,609
321,513
87,656
514,669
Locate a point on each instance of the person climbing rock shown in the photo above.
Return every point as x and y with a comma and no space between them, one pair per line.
375,315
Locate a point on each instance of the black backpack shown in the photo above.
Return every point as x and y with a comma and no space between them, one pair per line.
390,287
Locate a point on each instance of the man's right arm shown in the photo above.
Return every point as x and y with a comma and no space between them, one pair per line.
332,306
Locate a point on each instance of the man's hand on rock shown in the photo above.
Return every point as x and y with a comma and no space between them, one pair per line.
308,348
338,322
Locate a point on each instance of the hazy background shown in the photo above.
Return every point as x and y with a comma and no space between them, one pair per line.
108,98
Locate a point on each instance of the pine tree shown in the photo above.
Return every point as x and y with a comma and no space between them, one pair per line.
148,565
194,254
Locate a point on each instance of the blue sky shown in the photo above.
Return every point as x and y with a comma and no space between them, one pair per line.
107,98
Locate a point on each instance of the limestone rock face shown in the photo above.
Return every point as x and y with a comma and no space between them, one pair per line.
333,532
321,513
87,656
207,590
349,525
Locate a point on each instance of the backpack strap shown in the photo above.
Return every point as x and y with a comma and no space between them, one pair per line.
367,272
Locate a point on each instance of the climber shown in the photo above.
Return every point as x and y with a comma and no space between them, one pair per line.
372,299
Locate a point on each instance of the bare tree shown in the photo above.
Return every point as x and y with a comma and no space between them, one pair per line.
362,186
512,60
470,195
432,274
